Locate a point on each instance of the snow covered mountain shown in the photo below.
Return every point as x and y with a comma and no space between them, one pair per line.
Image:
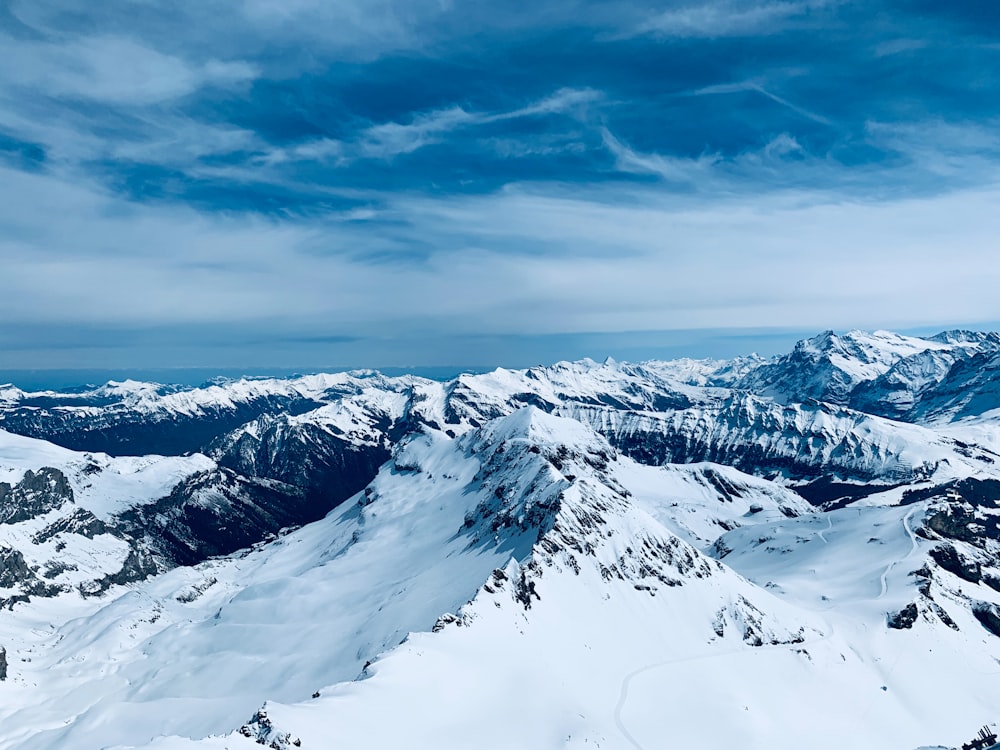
885,374
585,555
133,418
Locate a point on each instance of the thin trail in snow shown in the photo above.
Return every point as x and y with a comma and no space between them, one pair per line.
627,681
913,542
885,587
829,526
623,697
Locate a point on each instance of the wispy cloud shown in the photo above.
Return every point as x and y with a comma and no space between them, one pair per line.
388,140
376,170
112,69
542,261
674,169
898,46
88,98
727,19
757,86
968,153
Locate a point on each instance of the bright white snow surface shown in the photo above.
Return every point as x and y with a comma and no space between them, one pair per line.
611,652
101,484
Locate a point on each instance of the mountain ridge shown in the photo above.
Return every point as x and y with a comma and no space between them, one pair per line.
579,528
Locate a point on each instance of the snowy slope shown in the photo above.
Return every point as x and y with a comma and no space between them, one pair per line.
133,418
583,555
828,367
612,632
935,379
101,484
419,542
59,511
799,441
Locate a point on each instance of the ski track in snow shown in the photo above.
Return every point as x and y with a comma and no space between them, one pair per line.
913,549
829,527
627,680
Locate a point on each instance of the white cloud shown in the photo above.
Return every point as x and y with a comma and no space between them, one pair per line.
967,152
670,168
655,262
390,139
346,29
111,69
177,142
898,46
386,140
726,19
757,86
550,260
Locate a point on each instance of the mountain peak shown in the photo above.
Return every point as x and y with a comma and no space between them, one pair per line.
538,427
568,527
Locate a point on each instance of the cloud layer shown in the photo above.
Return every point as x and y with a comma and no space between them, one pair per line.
386,183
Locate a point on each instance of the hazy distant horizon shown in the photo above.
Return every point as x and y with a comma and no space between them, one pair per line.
510,352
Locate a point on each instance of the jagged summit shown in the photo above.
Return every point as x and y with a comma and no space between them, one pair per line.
536,426
974,338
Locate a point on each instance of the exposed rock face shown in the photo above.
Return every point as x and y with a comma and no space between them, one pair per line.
216,513
121,430
904,619
949,558
988,616
801,441
36,494
17,575
326,463
80,521
262,730
13,568
3,664
137,567
902,391
970,387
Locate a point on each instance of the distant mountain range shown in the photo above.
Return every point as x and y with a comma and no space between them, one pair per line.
787,552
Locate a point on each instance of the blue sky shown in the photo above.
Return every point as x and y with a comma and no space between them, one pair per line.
326,183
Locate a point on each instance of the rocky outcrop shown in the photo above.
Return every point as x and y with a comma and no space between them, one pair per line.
904,619
802,441
321,459
988,616
14,571
261,729
138,566
17,575
121,430
36,494
216,513
951,560
80,521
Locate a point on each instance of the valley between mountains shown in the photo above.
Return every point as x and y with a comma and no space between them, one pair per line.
801,551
